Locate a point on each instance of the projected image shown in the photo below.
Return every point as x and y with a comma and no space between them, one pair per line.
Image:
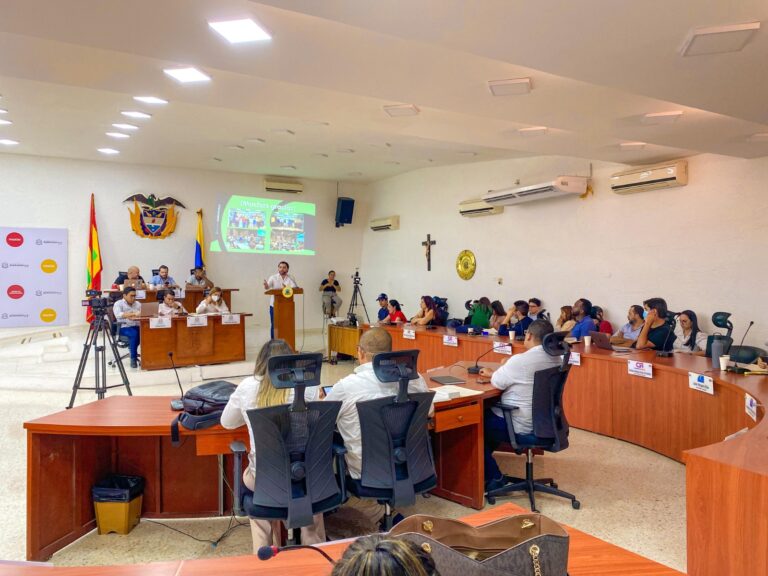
265,226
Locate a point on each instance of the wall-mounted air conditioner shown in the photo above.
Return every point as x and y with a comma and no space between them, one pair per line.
477,207
283,187
642,178
561,186
388,223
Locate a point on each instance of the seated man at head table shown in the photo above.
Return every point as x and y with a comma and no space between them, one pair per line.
133,274
213,303
199,279
657,333
631,330
162,279
169,306
125,311
515,378
357,387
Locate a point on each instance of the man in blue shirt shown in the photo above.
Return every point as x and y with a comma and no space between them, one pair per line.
584,322
520,311
631,330
383,303
162,279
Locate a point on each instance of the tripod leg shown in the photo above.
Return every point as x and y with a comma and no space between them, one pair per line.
360,291
98,359
118,360
83,362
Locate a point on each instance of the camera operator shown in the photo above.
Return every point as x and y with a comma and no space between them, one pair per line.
125,310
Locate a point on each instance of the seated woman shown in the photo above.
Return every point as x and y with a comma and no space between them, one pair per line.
601,324
565,322
213,303
377,555
395,313
689,339
169,306
497,318
427,312
257,392
480,314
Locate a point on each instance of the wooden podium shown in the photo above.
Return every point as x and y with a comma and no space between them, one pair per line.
285,315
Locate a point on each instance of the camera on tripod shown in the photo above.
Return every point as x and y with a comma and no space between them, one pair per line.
96,302
356,277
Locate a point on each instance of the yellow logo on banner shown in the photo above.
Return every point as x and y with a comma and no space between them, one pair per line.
49,266
48,315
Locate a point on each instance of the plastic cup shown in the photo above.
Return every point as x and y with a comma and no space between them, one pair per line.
587,340
724,361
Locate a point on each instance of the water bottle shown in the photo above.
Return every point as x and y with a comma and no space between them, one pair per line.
718,349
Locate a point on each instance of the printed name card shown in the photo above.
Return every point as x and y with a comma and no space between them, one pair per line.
160,322
502,348
409,334
701,383
197,321
178,292
141,294
643,369
449,340
230,318
750,407
574,359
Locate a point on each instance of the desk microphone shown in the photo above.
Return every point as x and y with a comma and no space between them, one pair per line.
671,321
476,368
267,552
177,405
735,369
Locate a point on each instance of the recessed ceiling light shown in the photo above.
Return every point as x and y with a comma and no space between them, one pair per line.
632,145
256,140
118,135
109,151
398,110
135,114
321,155
150,100
283,132
354,173
121,126
759,137
511,87
466,153
662,117
5,122
187,75
533,131
236,147
288,167
7,142
237,31
718,39
3,111
345,151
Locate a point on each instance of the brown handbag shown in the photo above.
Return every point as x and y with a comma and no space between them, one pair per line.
522,545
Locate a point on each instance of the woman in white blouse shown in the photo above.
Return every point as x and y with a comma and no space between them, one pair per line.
689,338
213,303
257,392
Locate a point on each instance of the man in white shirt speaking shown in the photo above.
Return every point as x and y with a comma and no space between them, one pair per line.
357,387
278,282
515,378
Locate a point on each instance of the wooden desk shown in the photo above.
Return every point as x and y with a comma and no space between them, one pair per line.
215,343
343,339
191,298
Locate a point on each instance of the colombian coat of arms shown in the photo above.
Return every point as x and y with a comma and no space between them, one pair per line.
153,217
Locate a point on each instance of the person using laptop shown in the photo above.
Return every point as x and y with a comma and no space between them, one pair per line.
198,279
131,277
515,379
169,306
125,310
584,323
656,333
628,333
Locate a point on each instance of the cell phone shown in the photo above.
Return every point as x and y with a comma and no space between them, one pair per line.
327,390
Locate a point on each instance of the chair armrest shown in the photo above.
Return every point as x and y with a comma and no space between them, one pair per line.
341,469
238,450
508,409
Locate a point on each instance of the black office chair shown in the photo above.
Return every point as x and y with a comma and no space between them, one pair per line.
720,320
295,476
745,354
397,454
155,271
550,426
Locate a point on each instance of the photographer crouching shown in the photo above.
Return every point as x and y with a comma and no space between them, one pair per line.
124,311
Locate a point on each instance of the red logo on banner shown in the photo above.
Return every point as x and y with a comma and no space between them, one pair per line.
15,291
14,239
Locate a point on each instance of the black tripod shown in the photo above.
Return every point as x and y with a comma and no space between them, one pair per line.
100,325
357,293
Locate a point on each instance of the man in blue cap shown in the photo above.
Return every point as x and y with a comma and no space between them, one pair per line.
383,303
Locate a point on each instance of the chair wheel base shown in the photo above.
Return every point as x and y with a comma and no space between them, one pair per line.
576,504
491,500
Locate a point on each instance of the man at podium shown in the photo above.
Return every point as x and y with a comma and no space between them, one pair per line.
278,282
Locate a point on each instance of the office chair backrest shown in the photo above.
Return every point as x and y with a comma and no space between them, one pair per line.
123,273
191,271
745,354
398,366
549,419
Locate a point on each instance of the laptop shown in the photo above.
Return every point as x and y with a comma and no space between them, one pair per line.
135,283
149,308
603,340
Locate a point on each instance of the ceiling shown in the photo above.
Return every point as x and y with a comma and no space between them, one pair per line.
67,69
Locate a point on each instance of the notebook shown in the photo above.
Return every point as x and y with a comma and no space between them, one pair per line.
447,380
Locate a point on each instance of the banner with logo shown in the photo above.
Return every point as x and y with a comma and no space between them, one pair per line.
33,277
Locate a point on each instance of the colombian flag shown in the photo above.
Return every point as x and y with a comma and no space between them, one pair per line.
93,264
199,242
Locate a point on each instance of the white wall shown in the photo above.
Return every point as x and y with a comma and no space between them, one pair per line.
55,193
703,247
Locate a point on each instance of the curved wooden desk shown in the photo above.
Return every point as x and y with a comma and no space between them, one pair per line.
726,481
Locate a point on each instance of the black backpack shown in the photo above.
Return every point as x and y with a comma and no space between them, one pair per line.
203,406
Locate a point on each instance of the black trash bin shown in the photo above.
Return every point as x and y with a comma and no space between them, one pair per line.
117,500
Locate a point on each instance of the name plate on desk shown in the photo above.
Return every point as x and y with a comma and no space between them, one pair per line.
230,318
502,348
449,340
179,293
750,407
409,334
643,369
141,294
575,359
701,383
197,321
160,322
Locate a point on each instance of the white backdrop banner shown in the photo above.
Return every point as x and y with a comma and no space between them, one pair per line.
33,277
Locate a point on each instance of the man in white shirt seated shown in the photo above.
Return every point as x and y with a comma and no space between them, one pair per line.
515,378
125,310
357,387
169,306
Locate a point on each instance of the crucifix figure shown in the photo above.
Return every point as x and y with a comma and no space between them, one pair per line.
428,243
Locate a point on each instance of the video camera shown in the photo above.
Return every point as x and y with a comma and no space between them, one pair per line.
96,302
356,277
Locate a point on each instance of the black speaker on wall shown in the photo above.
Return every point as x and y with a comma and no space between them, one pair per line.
344,209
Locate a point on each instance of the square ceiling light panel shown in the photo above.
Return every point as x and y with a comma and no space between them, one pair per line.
718,39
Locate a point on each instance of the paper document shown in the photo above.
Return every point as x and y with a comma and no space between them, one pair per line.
449,392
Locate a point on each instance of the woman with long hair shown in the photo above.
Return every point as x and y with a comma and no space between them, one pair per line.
480,314
427,313
565,322
377,555
395,313
497,315
257,391
690,338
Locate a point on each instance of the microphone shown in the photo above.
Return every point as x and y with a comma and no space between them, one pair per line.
177,405
671,320
267,552
476,368
735,369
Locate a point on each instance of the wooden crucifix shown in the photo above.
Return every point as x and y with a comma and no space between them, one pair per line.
428,243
